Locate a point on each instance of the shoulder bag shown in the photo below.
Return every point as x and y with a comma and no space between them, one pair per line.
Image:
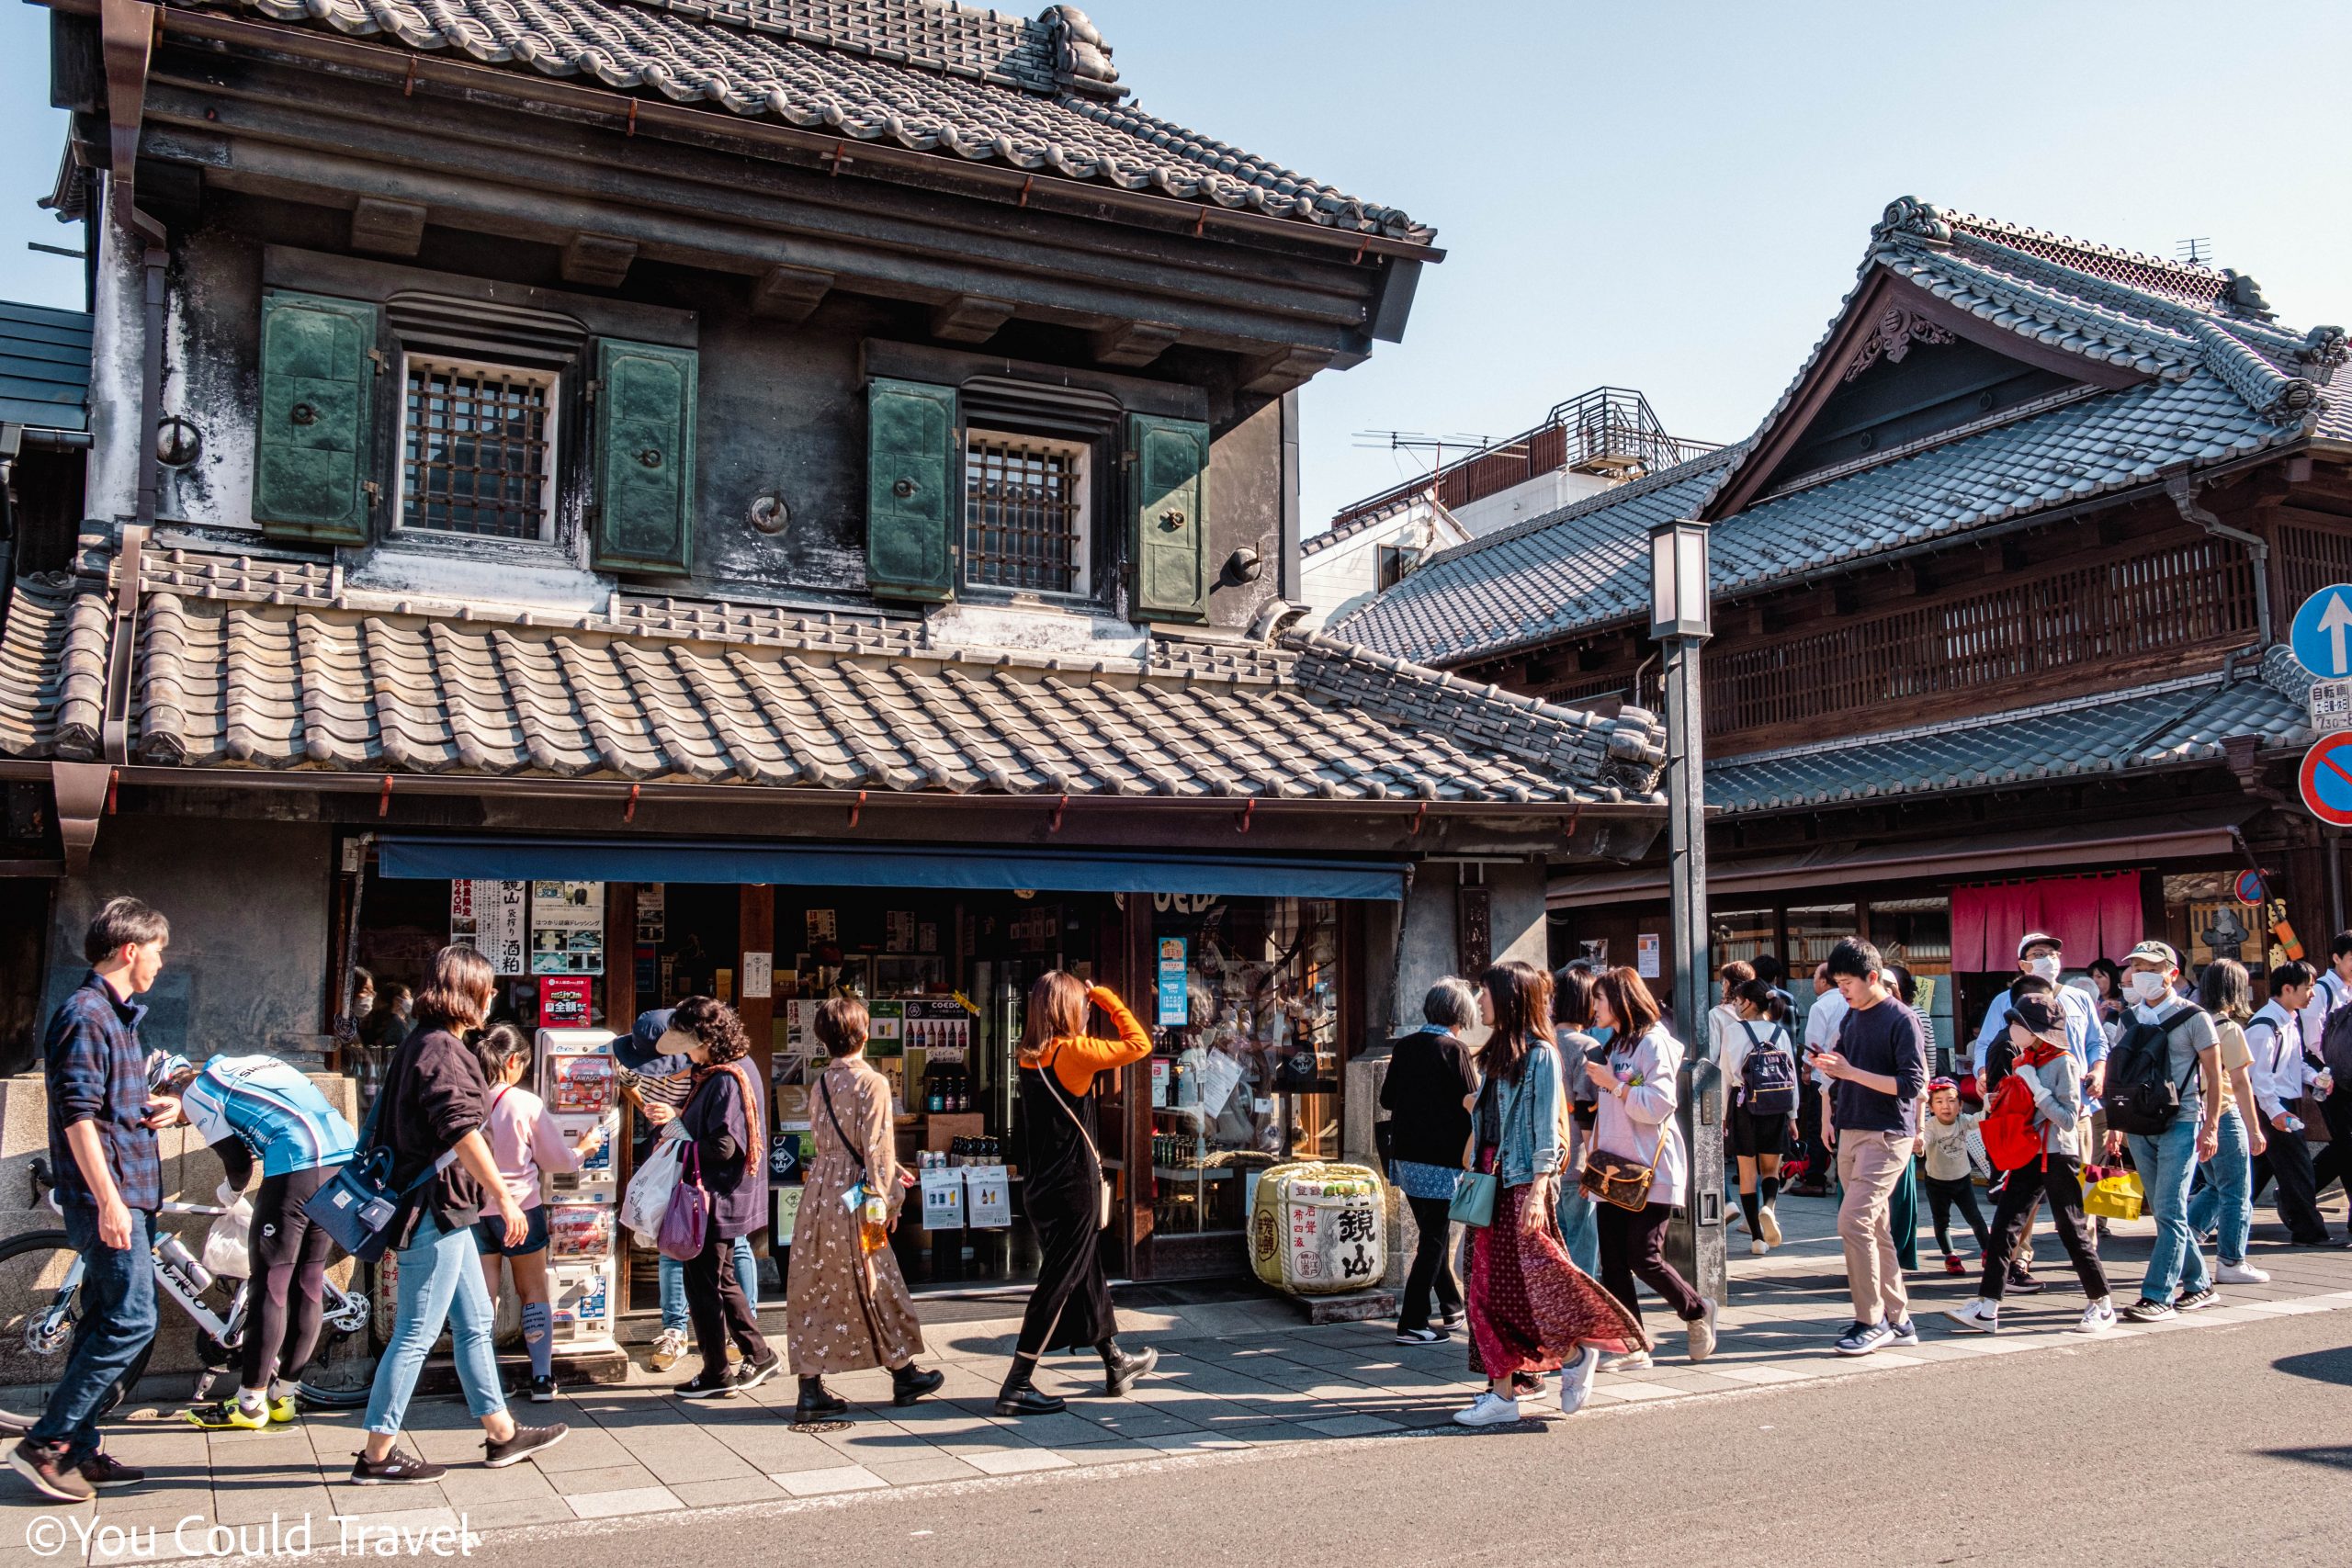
687,1222
1045,1072
358,1206
1619,1182
1475,1193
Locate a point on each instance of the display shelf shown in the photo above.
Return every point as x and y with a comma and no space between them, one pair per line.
1195,1173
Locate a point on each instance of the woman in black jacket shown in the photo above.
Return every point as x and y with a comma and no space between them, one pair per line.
430,1114
1430,1086
722,1117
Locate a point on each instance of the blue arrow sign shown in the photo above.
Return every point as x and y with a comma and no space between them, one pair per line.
2322,635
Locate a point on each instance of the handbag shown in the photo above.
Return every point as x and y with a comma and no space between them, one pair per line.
1621,1183
685,1224
359,1204
2116,1197
1474,1195
1045,1071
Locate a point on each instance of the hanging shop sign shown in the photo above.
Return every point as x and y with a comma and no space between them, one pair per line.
567,927
759,975
489,918
1175,1009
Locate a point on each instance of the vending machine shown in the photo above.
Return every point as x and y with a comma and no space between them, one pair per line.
577,1080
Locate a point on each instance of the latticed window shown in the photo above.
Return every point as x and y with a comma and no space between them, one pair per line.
1024,513
477,444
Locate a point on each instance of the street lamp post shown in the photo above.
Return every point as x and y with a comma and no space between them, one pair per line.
1680,621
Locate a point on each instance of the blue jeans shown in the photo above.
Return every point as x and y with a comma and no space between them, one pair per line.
440,1281
1579,1228
2227,1198
2166,1163
674,1285
118,1322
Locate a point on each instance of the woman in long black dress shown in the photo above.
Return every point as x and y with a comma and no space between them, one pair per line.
1062,1182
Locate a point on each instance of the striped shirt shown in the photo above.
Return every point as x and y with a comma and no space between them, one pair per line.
279,1113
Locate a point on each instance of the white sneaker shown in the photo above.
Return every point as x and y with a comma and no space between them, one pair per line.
2097,1318
1488,1410
1629,1361
2240,1274
1769,1222
1979,1316
1702,1332
1758,1249
1575,1379
669,1349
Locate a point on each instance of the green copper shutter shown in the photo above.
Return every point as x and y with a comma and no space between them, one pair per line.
913,500
1168,481
313,454
644,422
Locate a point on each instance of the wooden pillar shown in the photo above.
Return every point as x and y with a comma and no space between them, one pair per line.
755,923
1138,987
620,957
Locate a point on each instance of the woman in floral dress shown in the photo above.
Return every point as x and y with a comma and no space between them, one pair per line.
846,1308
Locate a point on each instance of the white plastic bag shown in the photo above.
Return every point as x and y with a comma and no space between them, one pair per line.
648,1197
226,1248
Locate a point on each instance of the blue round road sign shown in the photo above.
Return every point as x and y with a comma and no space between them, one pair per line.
2327,779
2322,634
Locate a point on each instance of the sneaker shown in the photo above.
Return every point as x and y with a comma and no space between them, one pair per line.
2097,1318
1758,1249
2241,1273
1488,1410
1769,1223
702,1385
2146,1311
1979,1316
527,1441
105,1470
1907,1335
1626,1361
1862,1338
395,1469
1575,1379
734,1354
1454,1319
2023,1284
669,1349
1702,1332
44,1465
2197,1300
1952,1265
1422,1335
752,1374
542,1391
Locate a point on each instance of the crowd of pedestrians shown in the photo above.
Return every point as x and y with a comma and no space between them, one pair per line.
1538,1112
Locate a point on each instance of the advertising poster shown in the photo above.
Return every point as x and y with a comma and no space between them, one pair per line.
567,927
579,1231
653,913
488,917
991,1197
1646,955
580,1084
759,975
563,1002
943,1200
787,1213
1174,1012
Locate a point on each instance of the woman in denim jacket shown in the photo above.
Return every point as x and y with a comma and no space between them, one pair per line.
1531,1310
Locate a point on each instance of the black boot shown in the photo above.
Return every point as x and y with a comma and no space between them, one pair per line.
817,1403
1120,1369
910,1382
1019,1396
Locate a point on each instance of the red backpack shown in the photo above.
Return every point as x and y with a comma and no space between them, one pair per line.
2011,1141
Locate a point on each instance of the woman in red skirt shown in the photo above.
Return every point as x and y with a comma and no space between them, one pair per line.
1531,1310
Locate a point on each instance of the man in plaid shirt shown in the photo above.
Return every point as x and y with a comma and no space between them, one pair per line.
110,1182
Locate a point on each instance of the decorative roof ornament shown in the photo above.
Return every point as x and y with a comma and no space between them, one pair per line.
1081,59
1919,220
2245,295
1896,330
2323,353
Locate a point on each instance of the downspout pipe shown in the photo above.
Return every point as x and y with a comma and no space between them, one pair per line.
2183,490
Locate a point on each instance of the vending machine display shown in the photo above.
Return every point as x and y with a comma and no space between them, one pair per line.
576,1079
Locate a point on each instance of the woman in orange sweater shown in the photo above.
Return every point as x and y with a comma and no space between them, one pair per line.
1062,1185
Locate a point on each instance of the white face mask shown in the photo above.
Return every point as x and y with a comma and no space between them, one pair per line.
2145,988
2046,966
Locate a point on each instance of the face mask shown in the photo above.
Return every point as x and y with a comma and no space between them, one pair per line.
2046,966
2145,987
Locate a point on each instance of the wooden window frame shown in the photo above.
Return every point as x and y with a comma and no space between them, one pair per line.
557,429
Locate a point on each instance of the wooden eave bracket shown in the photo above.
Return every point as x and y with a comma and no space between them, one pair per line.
1133,343
790,294
598,261
1291,368
969,317
387,228
80,789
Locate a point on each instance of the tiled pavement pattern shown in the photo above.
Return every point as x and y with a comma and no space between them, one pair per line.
1236,1376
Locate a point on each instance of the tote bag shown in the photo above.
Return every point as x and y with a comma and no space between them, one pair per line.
687,1221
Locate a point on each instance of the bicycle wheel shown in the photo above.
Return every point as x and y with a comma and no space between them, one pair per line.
36,1322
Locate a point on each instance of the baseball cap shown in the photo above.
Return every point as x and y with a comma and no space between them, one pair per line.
2153,952
2043,1016
641,1050
2042,939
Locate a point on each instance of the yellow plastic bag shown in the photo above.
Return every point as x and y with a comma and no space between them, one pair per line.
2116,1198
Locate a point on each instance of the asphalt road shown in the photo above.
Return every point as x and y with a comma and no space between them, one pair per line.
2229,1446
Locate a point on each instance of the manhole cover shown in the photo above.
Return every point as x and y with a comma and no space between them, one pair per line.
822,1426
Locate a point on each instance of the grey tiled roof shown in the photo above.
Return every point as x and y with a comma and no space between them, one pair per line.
925,75
44,366
2167,724
248,664
2223,382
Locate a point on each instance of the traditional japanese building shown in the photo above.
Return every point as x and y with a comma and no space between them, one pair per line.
809,488
2000,588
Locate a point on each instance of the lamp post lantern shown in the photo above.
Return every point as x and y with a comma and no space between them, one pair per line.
1680,621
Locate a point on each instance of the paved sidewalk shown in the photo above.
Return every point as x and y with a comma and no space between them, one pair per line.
1233,1376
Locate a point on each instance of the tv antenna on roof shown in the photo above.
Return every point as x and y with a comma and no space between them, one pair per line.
2196,251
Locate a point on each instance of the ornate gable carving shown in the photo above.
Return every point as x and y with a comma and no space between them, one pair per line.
1896,331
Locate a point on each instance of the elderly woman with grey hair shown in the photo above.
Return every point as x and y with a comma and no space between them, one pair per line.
1428,1093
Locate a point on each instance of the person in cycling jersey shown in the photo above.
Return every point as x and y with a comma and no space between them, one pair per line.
254,1108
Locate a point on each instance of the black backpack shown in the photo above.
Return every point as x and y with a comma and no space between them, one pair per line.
2141,1095
2335,1043
1768,1079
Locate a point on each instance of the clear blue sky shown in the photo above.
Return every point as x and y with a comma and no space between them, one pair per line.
1669,196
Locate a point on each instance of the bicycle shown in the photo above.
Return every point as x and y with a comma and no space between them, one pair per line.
41,1285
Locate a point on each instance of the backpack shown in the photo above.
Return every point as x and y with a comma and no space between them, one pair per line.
2007,1130
2335,1043
2140,1096
1768,1079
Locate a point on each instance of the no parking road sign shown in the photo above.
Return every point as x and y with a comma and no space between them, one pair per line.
2328,780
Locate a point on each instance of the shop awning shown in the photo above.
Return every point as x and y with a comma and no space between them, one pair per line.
2176,836
454,858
